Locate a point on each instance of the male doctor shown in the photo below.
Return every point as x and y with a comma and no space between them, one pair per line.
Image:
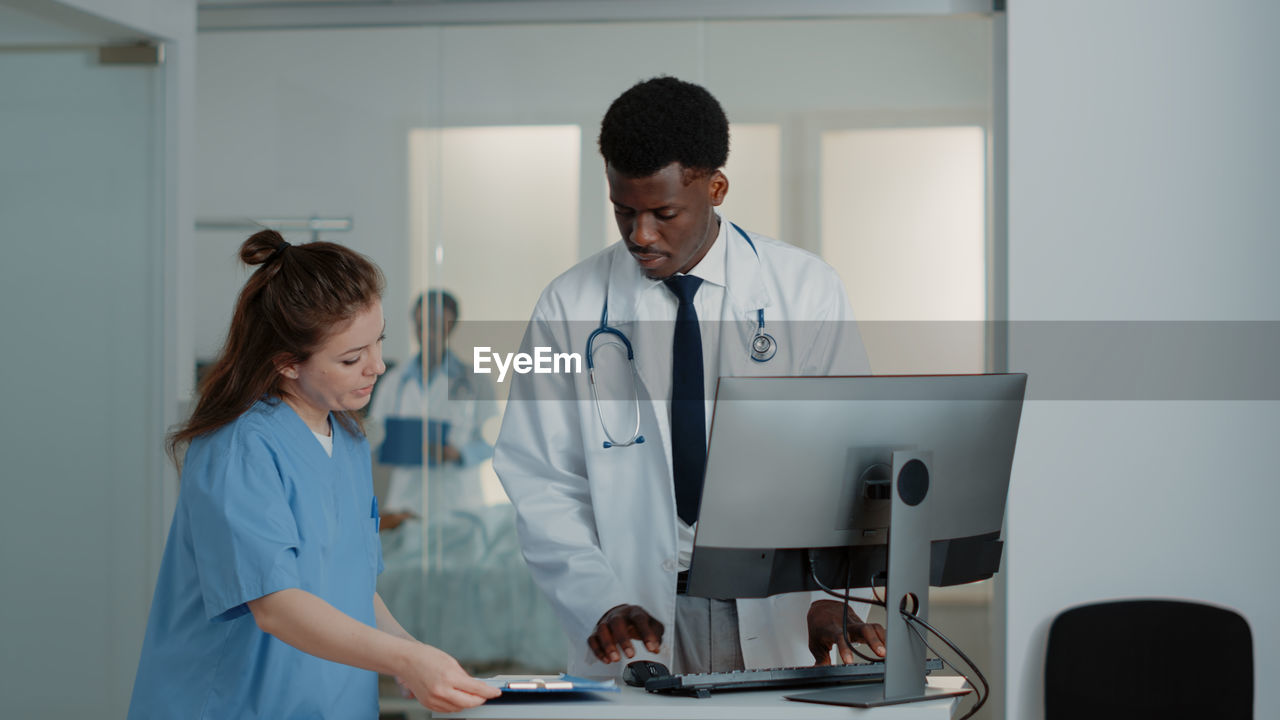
607,488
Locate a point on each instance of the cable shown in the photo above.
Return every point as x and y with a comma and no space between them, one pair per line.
844,614
985,692
986,687
982,695
936,633
846,598
981,698
853,646
813,573
879,600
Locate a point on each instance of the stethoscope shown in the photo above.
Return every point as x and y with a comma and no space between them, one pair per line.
762,348
407,376
413,374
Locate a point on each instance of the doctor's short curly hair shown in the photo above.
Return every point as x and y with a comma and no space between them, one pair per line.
661,121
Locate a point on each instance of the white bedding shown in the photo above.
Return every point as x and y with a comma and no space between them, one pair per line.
470,594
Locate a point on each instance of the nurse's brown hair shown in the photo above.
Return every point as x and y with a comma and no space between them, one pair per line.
297,298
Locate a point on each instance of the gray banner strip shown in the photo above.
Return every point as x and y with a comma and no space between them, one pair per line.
1064,360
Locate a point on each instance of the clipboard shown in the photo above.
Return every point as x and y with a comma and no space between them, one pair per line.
403,442
563,684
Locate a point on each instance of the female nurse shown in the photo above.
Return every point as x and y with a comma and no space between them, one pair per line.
265,605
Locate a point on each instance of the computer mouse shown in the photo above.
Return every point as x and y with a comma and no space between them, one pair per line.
636,673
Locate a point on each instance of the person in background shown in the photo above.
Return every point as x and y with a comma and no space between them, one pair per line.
456,403
265,604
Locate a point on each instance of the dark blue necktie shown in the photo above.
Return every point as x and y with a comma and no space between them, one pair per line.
688,413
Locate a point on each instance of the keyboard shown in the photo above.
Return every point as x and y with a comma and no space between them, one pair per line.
702,684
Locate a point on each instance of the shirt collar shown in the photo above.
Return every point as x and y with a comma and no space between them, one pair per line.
731,262
711,267
450,365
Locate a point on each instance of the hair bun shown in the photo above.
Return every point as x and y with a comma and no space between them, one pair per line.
262,247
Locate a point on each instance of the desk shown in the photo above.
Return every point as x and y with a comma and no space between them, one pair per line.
636,704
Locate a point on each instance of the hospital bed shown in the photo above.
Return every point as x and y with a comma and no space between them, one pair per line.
458,582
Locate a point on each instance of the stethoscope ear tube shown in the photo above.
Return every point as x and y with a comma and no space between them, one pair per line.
636,438
762,349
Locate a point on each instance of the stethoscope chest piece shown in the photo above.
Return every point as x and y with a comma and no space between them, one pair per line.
763,347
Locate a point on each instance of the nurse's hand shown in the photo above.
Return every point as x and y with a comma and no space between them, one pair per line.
618,627
826,629
440,683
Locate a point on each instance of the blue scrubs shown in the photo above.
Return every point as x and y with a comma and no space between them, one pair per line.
262,508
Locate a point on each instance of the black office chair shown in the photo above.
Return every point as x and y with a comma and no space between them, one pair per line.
1156,659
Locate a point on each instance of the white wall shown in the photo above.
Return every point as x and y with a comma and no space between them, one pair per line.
174,21
1143,168
91,201
301,122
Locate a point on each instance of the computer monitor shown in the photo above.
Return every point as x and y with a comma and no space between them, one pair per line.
852,477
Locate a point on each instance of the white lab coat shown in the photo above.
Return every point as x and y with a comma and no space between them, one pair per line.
453,395
598,527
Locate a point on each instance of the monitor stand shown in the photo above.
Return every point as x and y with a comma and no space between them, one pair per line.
908,588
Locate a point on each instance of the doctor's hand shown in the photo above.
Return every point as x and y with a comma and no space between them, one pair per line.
391,521
445,454
825,630
618,627
437,681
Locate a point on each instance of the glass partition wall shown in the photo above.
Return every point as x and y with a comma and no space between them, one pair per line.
81,304
862,141
467,157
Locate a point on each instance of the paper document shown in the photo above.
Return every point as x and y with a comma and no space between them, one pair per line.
561,684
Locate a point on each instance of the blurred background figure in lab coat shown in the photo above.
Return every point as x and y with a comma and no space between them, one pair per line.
431,411
453,563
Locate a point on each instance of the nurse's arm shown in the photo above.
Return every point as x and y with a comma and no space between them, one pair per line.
310,624
386,621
